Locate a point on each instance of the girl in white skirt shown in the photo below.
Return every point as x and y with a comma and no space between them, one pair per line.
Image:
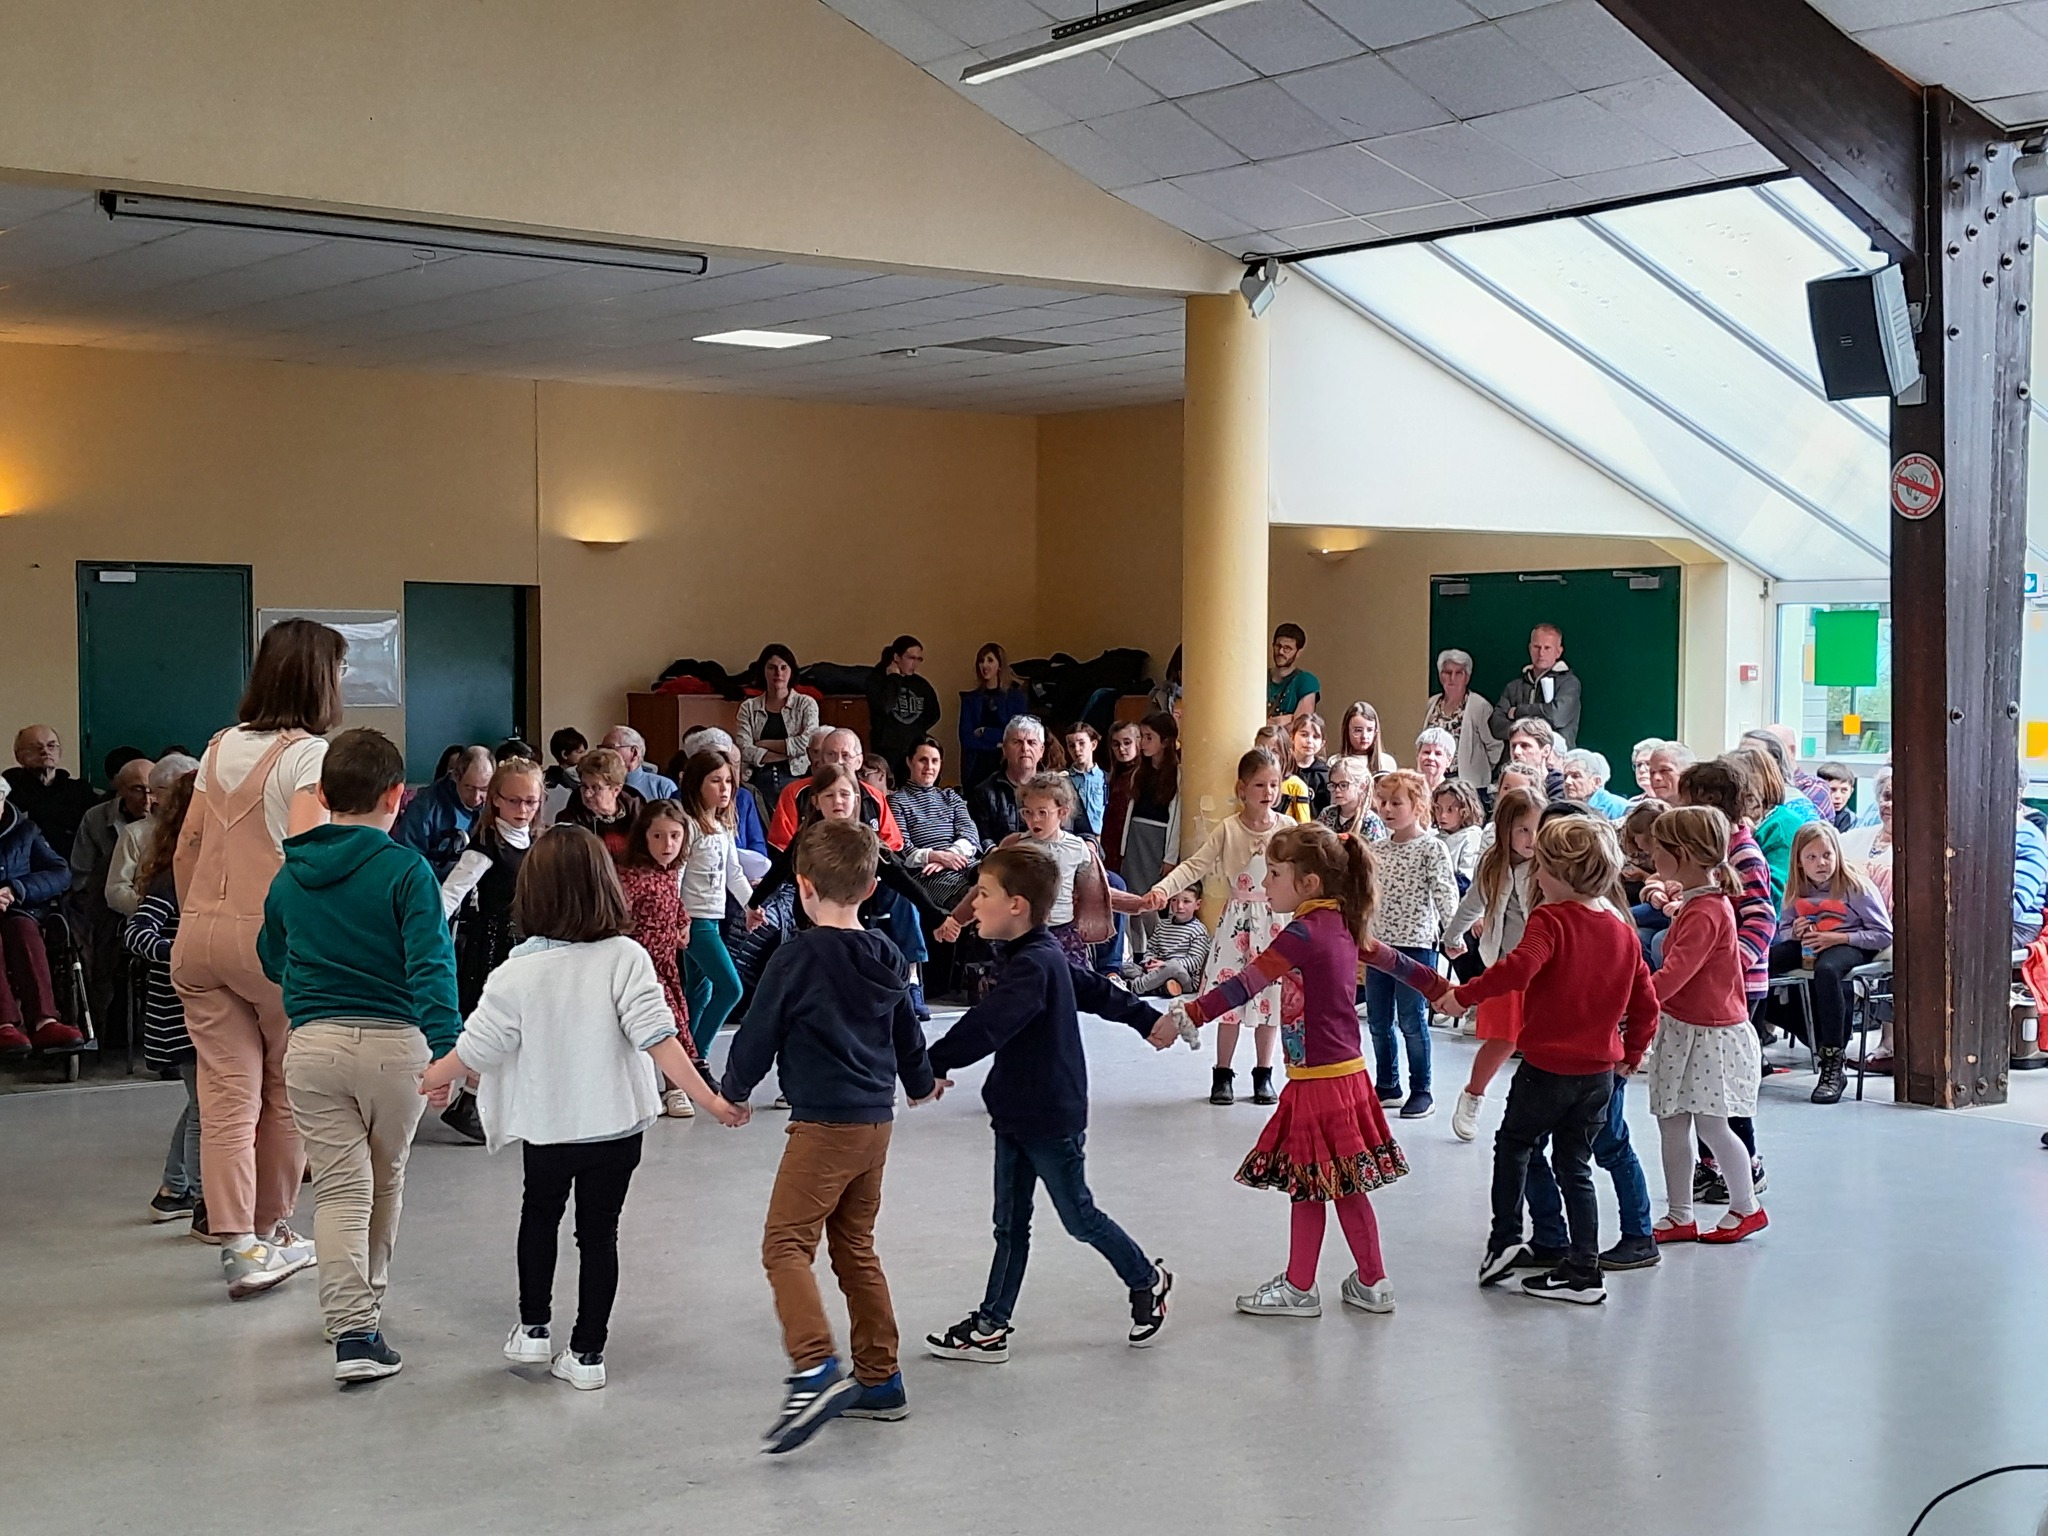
1705,1063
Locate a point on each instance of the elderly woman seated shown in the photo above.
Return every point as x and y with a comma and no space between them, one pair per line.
602,802
1585,779
33,877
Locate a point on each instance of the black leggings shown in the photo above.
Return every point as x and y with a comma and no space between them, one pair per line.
599,1172
1829,987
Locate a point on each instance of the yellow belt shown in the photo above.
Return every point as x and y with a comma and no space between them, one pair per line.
1335,1069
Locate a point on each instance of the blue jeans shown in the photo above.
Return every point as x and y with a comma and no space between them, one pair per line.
1650,927
901,915
181,1166
1611,1150
1388,1006
1109,957
1056,1161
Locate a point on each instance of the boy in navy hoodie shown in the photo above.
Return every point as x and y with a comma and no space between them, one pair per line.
833,1016
1037,1097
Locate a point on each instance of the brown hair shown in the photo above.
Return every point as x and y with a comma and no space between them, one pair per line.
362,766
1159,785
1023,869
1056,787
822,779
1725,783
510,768
1256,762
568,890
296,682
604,765
1273,741
1699,833
1536,728
1509,807
1766,781
1342,866
1846,880
162,845
1467,798
839,858
1581,851
637,852
1635,826
690,792
1360,711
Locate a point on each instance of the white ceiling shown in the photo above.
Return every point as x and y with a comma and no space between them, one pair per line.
1991,52
1302,125
69,274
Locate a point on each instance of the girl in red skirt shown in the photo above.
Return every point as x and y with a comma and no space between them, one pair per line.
1502,896
1328,1142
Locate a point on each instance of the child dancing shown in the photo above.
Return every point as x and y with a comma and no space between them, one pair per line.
1498,904
1418,896
650,874
1706,1062
1328,1142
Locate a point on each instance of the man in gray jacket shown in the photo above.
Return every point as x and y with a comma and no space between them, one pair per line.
1546,688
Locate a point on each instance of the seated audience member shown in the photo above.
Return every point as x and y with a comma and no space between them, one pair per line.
1466,717
641,779
2029,881
1358,735
33,878
515,749
1302,754
902,706
986,711
41,790
1091,784
566,747
1436,757
1833,920
1869,848
92,856
1666,763
1532,744
1350,808
1815,789
1585,778
124,893
775,725
438,821
1841,807
1514,775
940,843
602,802
836,747
874,772
1291,689
1783,809
1164,699
993,802
1639,763
744,813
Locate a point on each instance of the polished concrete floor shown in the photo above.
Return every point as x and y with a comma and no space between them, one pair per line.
1882,1340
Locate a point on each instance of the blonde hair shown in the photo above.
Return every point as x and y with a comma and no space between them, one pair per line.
1404,783
603,765
1845,881
1699,835
1509,807
1581,852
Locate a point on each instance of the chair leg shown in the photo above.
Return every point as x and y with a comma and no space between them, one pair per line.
1806,1012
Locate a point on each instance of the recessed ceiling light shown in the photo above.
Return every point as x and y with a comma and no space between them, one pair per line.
771,339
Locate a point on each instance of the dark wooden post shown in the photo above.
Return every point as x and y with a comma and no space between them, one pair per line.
1930,180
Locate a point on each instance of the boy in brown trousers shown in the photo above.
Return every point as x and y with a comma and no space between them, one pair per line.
833,1017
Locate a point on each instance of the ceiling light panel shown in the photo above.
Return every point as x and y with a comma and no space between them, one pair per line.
774,341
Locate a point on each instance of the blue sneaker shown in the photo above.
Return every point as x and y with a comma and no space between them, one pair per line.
918,1005
362,1355
883,1400
815,1399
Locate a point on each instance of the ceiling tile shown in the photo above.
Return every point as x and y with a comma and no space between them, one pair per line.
1478,70
1276,36
1521,202
1364,98
1859,15
980,22
1979,55
891,21
1263,121
1743,160
1010,100
1433,219
1585,44
1498,8
1349,179
1572,137
1165,140
1078,145
1090,86
2014,111
1389,23
1182,61
1672,112
1638,181
1329,236
1458,161
1262,199
1164,200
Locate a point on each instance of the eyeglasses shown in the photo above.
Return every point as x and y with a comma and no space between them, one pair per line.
528,802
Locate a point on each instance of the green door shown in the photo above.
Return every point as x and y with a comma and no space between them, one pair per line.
465,669
1620,636
163,652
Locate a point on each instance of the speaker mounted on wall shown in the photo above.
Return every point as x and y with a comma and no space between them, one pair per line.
1863,334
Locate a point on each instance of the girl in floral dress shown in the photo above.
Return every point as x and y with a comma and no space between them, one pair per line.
651,872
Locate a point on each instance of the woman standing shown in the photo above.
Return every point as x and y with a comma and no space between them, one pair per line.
774,731
985,712
1124,759
1359,736
902,708
257,784
1467,716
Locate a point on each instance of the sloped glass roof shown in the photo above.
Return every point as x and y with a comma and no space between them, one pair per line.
1668,343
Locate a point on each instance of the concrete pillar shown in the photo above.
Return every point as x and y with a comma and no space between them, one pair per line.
1224,537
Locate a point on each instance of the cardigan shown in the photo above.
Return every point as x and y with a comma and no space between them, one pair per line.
1228,851
1478,748
1417,893
799,718
1506,916
1702,976
711,872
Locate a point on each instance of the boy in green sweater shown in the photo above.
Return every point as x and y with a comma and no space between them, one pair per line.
353,933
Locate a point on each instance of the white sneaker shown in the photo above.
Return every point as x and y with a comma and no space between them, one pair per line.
1368,1298
584,1375
676,1104
1465,1116
1276,1298
294,1245
529,1346
252,1265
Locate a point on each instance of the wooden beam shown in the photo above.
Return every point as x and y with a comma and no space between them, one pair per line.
1956,606
1828,109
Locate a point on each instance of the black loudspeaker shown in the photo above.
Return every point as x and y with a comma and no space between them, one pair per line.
1863,334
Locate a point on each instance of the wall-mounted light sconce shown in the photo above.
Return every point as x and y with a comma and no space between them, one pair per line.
602,545
1332,556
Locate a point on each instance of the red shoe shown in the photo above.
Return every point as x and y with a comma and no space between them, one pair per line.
1755,1221
12,1041
55,1035
1677,1232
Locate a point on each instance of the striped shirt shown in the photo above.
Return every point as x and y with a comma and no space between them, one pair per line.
1756,915
1187,942
149,933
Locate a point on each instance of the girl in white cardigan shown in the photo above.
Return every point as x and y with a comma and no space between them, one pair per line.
557,1042
711,872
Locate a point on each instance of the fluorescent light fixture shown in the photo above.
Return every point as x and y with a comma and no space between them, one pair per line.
429,239
1105,29
773,340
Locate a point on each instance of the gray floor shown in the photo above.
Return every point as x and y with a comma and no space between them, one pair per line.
1883,1339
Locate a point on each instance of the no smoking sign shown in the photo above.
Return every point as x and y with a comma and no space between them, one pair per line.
1916,486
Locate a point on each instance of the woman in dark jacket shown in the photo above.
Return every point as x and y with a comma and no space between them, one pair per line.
902,708
33,875
984,712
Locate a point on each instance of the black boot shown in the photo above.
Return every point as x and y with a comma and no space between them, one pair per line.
1221,1089
1834,1076
1262,1086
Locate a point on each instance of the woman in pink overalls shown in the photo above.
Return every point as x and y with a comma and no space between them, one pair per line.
258,783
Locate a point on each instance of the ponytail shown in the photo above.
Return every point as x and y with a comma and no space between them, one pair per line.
1361,888
1341,864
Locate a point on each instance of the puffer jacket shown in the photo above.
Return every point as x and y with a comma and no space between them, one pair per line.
36,873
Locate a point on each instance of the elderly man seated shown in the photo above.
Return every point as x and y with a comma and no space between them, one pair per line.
641,779
33,877
993,802
833,747
92,855
42,791
437,822
122,893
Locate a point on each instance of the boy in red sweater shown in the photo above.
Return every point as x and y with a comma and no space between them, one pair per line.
1577,970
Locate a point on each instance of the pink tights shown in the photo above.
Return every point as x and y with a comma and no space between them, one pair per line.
1361,1231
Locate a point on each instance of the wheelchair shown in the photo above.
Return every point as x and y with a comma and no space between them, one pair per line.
68,986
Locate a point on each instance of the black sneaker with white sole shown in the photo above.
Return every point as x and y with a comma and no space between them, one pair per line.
1148,1308
1564,1285
1501,1263
971,1339
362,1355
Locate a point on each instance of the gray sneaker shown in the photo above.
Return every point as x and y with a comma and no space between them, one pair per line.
297,1249
1368,1298
254,1265
1276,1298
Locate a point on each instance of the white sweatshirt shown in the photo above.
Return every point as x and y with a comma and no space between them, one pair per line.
558,1039
711,869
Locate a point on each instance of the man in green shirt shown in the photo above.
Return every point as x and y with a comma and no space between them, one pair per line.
1291,691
